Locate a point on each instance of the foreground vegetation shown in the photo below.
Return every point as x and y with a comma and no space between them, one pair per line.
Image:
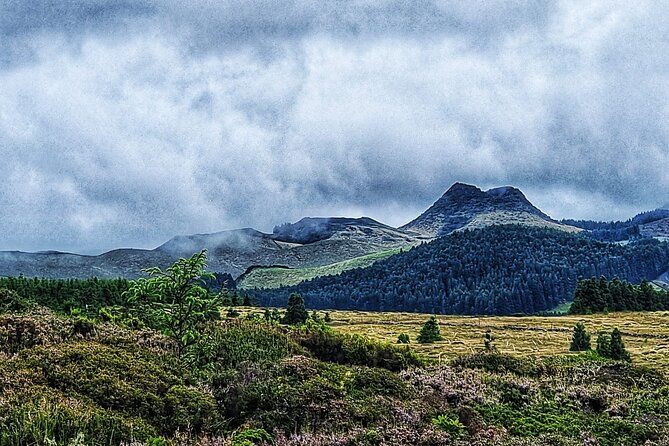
164,369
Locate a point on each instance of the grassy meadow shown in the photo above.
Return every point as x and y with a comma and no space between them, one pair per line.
646,335
277,277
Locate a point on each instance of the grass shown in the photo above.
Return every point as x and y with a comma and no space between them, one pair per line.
646,335
277,277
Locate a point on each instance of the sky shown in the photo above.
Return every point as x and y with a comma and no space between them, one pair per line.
124,123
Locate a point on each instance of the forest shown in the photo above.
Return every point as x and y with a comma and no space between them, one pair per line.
497,270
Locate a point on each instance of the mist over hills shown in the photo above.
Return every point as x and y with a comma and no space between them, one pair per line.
314,242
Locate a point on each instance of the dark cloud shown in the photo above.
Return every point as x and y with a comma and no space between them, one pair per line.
124,123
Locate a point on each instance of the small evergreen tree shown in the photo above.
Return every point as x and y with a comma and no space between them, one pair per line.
327,317
316,317
604,345
403,338
580,340
296,313
617,347
430,331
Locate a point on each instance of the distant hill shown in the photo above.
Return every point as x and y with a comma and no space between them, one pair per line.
651,224
467,206
495,270
306,244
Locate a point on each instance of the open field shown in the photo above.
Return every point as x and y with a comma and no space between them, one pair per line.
276,277
646,335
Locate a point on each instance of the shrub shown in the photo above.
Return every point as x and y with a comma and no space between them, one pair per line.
251,436
174,301
189,409
327,345
12,302
452,426
403,338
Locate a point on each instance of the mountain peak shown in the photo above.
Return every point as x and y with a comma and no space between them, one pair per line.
462,203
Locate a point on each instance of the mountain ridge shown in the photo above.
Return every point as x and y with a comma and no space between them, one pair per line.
308,243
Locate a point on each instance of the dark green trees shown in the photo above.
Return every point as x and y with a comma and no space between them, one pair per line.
296,313
618,350
429,332
580,340
601,295
612,346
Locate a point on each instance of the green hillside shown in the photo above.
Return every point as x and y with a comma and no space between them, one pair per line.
276,277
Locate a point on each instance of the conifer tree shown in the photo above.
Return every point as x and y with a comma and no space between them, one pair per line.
604,345
617,347
580,340
430,331
296,313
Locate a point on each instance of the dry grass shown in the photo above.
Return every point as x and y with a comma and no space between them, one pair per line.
646,335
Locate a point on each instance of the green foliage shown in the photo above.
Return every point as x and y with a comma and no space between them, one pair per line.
61,295
232,312
327,345
618,351
580,339
11,301
601,295
452,426
403,338
252,437
612,346
296,313
429,332
174,301
229,344
604,345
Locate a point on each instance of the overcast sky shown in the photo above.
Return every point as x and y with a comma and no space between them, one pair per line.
125,123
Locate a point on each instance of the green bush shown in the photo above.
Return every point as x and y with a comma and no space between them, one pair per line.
354,349
189,409
227,344
43,415
452,426
252,437
111,377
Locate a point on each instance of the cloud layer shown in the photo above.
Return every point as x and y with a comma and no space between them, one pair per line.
123,125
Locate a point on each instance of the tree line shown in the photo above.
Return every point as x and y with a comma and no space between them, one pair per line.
602,295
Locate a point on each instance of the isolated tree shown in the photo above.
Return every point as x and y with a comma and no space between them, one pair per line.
296,313
430,331
175,301
327,317
618,350
403,338
580,339
604,345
